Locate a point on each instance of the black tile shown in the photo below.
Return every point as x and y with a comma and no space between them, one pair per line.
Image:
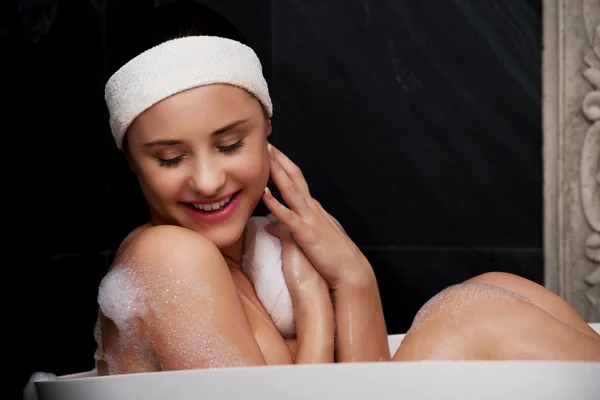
52,309
415,122
54,125
409,277
253,19
123,20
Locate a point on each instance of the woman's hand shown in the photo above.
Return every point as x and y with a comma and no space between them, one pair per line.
361,333
320,236
313,309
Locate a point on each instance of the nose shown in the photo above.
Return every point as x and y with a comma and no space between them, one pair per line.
207,177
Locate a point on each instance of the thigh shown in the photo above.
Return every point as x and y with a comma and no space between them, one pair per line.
475,321
540,296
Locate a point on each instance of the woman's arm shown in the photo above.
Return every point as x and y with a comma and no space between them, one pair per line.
361,332
174,305
360,324
315,326
313,309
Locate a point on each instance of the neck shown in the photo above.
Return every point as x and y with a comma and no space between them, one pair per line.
233,254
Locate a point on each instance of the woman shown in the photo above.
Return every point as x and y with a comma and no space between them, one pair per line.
192,117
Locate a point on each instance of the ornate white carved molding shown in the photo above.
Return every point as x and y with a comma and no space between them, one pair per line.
571,113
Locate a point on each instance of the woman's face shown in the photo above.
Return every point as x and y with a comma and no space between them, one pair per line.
201,160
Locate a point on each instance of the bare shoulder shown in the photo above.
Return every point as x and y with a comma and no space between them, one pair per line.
171,287
166,265
177,246
167,254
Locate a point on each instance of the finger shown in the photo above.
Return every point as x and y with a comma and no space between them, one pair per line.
282,213
303,233
291,169
279,231
336,225
292,195
285,235
334,222
273,229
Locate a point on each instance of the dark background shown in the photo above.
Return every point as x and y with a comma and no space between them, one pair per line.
416,123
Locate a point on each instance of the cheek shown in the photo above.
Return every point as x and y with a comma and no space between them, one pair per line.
252,168
159,183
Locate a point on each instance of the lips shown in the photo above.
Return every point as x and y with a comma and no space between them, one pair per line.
212,206
215,211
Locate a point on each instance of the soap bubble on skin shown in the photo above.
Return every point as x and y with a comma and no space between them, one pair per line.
119,297
99,354
455,298
130,299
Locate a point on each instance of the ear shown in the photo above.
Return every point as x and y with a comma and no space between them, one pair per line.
129,162
269,127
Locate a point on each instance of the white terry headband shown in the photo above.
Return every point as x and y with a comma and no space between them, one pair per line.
178,65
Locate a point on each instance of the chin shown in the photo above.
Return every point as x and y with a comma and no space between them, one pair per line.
226,233
223,238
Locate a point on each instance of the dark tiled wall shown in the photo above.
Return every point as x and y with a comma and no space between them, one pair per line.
71,198
417,125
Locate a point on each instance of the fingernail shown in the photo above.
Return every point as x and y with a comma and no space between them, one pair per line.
268,192
270,150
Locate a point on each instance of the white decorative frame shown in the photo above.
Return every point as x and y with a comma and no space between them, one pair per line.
571,115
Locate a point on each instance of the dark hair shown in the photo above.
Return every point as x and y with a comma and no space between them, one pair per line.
171,20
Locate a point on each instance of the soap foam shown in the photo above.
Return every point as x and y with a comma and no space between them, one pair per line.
30,391
99,354
455,298
120,299
165,299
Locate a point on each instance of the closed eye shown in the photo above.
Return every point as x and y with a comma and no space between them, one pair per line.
231,148
170,161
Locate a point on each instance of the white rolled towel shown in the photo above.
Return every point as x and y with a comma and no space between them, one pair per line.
262,264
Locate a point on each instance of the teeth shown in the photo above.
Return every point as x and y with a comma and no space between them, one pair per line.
213,206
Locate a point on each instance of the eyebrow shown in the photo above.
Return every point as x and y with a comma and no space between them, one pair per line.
220,131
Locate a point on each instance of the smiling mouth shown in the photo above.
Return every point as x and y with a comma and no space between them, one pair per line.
210,208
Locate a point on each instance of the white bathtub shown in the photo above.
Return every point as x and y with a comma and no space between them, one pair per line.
529,380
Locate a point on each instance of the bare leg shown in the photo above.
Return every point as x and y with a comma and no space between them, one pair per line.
480,321
540,296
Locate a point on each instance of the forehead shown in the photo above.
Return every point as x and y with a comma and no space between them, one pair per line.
208,107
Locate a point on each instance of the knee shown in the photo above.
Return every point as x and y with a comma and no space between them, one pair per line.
435,332
454,323
459,304
513,283
537,294
498,279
